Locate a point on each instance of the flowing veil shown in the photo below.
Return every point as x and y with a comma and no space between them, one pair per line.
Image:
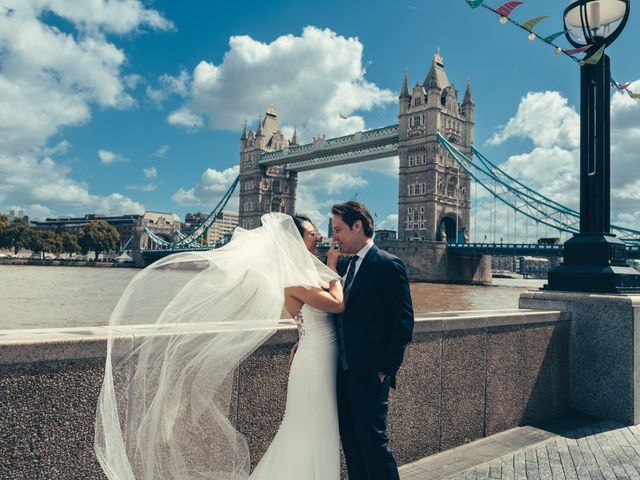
176,337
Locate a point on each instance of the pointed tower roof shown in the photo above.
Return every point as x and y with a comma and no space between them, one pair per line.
404,93
437,77
294,139
468,100
259,129
245,133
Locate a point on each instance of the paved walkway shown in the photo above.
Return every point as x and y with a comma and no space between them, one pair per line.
570,449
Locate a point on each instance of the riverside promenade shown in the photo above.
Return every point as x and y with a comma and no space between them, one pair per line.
484,394
568,448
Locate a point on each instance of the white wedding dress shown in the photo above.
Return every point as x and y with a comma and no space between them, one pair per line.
306,447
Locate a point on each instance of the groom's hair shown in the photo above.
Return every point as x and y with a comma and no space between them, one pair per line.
299,220
352,211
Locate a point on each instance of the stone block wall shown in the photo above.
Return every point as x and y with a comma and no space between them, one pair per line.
430,262
465,376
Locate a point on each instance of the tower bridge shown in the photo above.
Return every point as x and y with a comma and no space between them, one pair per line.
434,194
433,191
433,141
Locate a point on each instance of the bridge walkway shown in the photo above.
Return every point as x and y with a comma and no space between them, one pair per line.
573,448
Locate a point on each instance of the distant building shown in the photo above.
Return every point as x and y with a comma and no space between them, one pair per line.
192,220
383,234
125,224
219,232
225,223
161,223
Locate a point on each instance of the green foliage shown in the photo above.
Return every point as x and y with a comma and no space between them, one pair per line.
70,243
16,235
98,237
46,241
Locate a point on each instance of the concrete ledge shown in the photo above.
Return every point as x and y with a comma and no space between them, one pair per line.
604,350
466,375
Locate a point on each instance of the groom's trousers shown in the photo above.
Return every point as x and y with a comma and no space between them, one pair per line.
362,409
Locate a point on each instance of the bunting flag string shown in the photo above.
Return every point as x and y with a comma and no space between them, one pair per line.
619,86
595,58
475,3
551,38
507,8
577,50
533,22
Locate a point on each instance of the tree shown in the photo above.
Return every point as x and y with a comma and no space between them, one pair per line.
16,236
46,242
98,237
70,243
4,227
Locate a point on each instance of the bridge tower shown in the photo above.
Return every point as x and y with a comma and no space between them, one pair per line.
264,189
434,197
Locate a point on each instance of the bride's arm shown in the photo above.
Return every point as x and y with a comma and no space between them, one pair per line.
328,301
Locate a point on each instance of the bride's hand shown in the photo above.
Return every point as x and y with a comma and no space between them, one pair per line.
333,255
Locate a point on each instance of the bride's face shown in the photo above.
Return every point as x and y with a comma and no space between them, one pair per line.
310,237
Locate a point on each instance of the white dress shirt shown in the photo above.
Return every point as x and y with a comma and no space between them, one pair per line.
361,254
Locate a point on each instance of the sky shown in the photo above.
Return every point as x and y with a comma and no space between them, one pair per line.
115,107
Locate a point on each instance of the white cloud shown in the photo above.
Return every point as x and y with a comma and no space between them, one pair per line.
186,119
150,172
59,149
44,186
389,223
169,85
552,166
546,118
319,75
150,187
106,157
161,152
210,189
49,80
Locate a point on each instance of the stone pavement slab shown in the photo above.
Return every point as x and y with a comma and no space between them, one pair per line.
573,448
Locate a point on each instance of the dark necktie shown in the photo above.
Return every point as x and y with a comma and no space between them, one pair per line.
351,272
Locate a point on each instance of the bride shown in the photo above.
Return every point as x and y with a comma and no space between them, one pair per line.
165,408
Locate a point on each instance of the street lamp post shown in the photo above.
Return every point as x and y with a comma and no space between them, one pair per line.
594,259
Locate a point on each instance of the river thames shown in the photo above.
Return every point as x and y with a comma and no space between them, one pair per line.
51,297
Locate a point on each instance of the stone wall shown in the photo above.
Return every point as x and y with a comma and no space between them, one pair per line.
430,262
465,376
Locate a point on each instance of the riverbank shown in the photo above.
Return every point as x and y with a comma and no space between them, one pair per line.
64,262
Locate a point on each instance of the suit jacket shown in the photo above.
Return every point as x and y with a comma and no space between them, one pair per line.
377,323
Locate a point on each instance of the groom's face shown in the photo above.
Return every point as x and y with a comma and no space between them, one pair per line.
348,238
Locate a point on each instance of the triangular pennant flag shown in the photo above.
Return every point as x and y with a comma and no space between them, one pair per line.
634,95
624,86
551,38
533,22
595,58
475,3
577,50
507,8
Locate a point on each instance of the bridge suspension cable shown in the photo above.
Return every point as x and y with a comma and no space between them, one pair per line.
523,199
191,240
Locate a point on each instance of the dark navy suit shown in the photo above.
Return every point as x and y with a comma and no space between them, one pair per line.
373,332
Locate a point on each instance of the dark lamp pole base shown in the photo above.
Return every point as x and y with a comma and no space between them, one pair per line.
594,263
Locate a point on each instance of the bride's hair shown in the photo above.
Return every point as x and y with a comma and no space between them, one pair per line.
299,220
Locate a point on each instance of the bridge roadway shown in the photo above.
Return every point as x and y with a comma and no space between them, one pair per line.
354,148
524,249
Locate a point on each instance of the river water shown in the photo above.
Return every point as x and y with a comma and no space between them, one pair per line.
50,297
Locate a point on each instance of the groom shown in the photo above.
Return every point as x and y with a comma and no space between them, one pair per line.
373,332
